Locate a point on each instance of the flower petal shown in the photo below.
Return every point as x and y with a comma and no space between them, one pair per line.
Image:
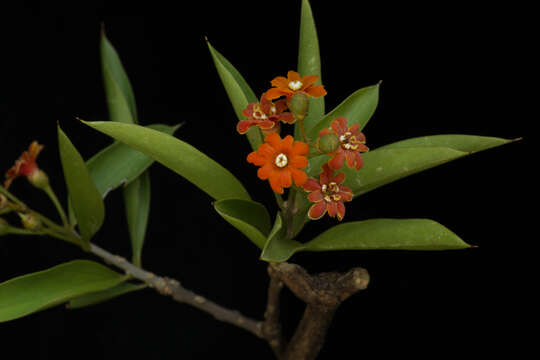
256,159
315,196
300,162
274,140
287,117
340,210
293,76
317,211
266,124
309,80
274,93
275,182
326,174
351,158
332,209
298,176
300,148
279,82
338,179
285,178
267,152
359,162
281,106
311,185
337,161
316,91
243,126
345,195
337,127
287,143
264,172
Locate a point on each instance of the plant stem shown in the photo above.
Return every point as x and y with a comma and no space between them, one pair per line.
50,192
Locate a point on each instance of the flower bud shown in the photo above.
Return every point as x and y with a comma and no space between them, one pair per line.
30,221
299,106
3,201
4,227
328,143
39,179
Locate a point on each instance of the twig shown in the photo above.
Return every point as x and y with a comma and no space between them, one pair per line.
171,287
272,324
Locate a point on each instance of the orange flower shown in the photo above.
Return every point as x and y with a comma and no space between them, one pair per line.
266,115
351,144
327,194
280,161
25,165
294,84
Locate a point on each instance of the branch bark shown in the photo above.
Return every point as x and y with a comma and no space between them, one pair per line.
172,288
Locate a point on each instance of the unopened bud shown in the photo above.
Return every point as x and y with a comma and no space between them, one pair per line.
299,106
39,179
3,201
30,221
328,143
4,227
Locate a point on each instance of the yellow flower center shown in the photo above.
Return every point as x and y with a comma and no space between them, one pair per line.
281,160
349,141
330,192
295,85
258,113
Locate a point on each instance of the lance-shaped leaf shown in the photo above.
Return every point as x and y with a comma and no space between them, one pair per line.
249,217
238,90
387,234
30,293
105,295
357,108
178,156
466,143
278,247
85,198
375,234
137,201
309,63
117,165
120,98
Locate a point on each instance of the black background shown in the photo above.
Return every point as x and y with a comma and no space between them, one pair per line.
445,69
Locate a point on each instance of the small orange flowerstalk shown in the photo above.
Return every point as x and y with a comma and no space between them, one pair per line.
26,166
281,161
266,115
351,144
294,84
328,194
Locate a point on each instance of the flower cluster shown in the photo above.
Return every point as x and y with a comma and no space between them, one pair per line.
282,161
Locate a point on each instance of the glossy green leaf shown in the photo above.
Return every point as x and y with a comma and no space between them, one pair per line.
387,234
278,248
374,234
357,108
118,165
137,202
249,217
465,143
85,198
30,293
238,90
120,98
178,156
105,295
309,62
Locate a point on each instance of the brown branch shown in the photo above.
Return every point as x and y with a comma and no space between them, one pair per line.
323,293
171,287
271,327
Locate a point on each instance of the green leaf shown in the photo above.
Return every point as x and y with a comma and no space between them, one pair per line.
249,217
178,156
465,143
357,108
137,201
278,248
86,200
374,234
105,295
309,63
387,234
30,293
238,90
120,98
118,164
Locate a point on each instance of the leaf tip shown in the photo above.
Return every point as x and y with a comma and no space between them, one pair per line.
102,30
